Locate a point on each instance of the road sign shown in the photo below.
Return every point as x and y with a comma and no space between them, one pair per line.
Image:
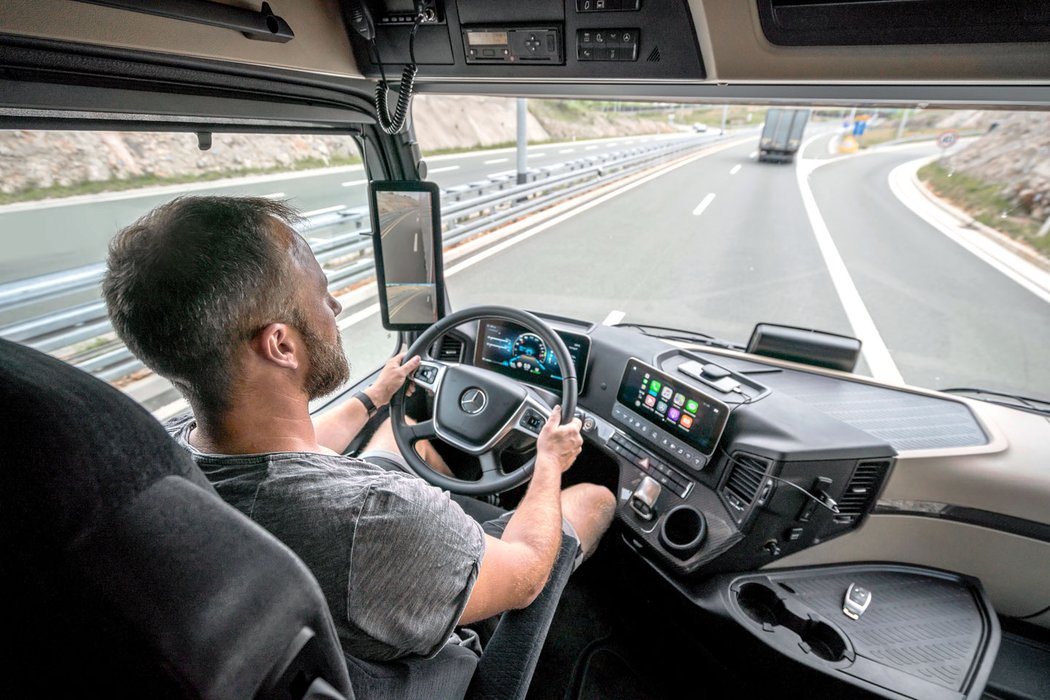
947,139
858,127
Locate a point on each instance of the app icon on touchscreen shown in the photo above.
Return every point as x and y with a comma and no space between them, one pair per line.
654,388
667,393
650,400
673,414
661,407
679,399
691,406
687,422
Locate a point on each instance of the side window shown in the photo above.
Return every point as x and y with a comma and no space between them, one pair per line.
63,195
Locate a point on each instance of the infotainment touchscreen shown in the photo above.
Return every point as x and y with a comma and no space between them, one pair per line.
673,406
512,350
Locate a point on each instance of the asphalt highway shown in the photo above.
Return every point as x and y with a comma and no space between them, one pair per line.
43,237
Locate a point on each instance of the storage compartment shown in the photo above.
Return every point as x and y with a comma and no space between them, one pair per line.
764,606
924,634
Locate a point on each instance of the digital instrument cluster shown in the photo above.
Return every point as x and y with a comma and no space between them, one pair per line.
514,351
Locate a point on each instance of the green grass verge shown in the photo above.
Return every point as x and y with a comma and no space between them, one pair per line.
985,202
140,181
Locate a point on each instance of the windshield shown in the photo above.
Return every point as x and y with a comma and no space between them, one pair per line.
922,233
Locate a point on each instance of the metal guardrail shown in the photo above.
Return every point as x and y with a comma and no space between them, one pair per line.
467,210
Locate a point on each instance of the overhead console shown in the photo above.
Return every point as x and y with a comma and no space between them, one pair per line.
538,39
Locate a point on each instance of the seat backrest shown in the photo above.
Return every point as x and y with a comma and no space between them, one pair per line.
123,570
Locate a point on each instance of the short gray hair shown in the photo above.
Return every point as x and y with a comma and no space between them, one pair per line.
193,279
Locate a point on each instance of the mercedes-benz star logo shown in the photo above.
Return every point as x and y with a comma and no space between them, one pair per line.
473,400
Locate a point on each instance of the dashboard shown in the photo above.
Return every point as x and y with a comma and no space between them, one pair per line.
724,461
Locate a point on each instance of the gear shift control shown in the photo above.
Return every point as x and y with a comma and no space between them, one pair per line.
643,500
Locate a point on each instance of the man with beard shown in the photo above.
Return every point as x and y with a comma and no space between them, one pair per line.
223,298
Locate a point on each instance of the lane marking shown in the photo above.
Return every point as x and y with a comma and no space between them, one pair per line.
736,169
753,155
446,169
358,317
590,148
576,211
326,210
614,144
354,183
903,183
704,203
501,173
873,347
495,160
273,195
613,318
538,155
566,150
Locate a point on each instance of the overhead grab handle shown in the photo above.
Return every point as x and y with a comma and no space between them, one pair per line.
263,25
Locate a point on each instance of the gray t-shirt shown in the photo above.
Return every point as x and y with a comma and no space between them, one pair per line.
395,557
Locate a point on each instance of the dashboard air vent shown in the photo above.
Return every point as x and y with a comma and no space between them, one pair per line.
862,487
744,480
450,349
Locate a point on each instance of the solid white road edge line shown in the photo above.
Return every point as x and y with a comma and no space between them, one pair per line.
873,347
904,187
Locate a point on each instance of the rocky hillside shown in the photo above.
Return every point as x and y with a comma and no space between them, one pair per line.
1015,155
59,163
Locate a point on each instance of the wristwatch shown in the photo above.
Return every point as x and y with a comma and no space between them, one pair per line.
368,403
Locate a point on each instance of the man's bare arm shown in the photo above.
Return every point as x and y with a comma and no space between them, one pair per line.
336,428
515,569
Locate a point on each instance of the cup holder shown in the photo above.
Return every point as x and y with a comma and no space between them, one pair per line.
682,531
766,607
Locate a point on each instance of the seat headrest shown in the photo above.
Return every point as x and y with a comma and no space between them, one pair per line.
74,449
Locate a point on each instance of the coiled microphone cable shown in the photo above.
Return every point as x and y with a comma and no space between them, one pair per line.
393,123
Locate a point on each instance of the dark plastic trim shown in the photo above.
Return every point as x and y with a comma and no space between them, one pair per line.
974,516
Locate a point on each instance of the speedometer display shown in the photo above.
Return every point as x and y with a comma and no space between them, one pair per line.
510,349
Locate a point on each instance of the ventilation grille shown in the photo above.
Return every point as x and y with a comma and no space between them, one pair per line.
449,349
862,487
654,55
744,481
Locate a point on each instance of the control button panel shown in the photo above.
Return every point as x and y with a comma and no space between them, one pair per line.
650,465
607,44
503,45
532,421
684,453
607,5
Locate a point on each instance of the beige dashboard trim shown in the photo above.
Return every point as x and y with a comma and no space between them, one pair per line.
736,51
1013,569
320,44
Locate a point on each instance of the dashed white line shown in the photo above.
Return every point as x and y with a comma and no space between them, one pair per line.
496,160
736,169
613,318
537,155
446,169
753,155
591,148
326,210
501,173
566,150
354,183
273,195
704,203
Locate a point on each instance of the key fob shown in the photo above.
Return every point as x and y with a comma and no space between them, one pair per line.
857,601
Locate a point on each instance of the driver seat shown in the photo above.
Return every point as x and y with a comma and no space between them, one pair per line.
125,573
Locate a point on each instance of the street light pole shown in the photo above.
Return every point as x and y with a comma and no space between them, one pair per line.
523,112
725,113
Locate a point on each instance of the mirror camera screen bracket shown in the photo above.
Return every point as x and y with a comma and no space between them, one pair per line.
406,235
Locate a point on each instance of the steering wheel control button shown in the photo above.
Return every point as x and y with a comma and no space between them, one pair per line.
532,421
473,401
427,374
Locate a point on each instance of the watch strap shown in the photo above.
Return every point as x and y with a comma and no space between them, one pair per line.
368,403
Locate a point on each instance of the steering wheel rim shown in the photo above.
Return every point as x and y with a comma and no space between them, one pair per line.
493,479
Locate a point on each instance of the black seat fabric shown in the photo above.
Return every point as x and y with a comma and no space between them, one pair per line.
124,573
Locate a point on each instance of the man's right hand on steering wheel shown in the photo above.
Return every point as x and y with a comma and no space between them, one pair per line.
559,445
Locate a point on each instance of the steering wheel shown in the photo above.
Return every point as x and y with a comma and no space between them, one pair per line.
476,410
